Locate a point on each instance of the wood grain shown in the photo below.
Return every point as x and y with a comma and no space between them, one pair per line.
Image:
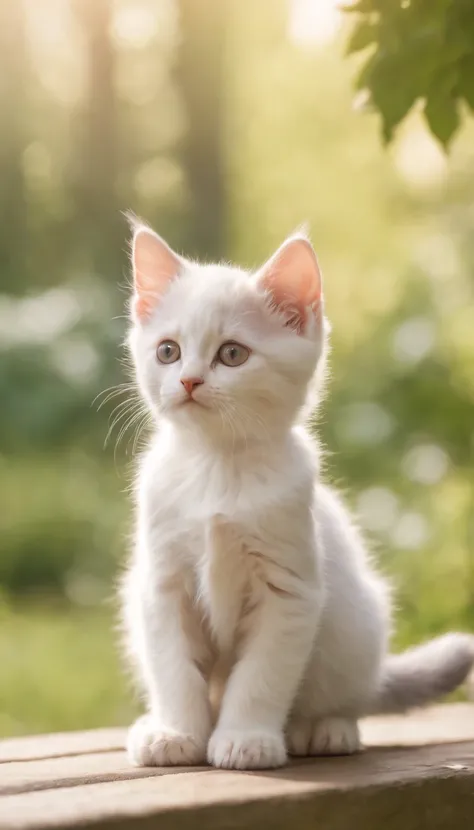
83,780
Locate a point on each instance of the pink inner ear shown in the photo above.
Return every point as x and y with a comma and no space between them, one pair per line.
155,265
293,278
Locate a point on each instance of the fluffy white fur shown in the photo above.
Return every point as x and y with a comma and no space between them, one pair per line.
247,568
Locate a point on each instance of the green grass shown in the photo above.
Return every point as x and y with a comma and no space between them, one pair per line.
60,670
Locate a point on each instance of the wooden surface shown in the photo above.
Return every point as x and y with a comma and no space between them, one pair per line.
417,772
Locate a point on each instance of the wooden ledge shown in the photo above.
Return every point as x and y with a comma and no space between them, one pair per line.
417,772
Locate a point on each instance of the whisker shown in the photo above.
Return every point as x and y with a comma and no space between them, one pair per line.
112,395
144,424
124,406
128,411
114,390
133,419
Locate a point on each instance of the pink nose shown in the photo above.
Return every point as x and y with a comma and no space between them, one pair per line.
190,384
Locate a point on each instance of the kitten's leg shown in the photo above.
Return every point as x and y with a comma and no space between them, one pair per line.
169,644
323,736
263,684
341,673
344,667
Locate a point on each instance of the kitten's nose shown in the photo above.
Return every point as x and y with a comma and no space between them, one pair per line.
191,383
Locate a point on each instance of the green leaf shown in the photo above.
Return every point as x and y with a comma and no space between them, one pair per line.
466,80
392,93
362,36
422,49
363,80
363,6
442,116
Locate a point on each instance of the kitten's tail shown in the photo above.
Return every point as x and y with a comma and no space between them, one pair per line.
424,673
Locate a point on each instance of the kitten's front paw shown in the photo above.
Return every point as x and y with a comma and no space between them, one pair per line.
326,736
231,749
148,745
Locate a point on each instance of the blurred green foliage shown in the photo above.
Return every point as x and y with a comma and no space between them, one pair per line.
419,50
225,131
61,670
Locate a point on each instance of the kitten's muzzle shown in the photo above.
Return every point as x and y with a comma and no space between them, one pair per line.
190,384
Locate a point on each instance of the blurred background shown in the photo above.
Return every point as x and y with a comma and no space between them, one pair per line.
225,125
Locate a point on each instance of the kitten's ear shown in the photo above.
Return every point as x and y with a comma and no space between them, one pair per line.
292,278
154,265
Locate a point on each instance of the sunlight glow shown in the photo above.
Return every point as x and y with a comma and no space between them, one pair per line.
365,423
420,159
54,49
411,532
134,26
425,464
377,508
414,340
49,27
314,22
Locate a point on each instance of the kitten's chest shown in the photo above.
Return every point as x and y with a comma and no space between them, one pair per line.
223,579
194,493
216,517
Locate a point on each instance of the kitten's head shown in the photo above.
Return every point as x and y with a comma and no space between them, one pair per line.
223,350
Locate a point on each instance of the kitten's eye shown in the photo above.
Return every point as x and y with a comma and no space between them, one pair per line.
168,352
233,354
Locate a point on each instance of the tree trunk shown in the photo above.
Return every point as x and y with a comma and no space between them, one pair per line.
98,211
200,73
14,71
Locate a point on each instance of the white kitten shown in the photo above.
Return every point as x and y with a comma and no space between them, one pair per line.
243,558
